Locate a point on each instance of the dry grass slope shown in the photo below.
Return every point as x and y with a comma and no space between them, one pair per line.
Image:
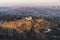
27,25
24,29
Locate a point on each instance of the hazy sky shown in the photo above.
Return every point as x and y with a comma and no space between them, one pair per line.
28,2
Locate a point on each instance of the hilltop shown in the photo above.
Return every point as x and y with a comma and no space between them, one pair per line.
40,23
25,29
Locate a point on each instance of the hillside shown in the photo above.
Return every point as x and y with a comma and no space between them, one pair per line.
37,29
25,28
27,23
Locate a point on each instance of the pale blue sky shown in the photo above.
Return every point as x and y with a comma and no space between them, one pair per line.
28,2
